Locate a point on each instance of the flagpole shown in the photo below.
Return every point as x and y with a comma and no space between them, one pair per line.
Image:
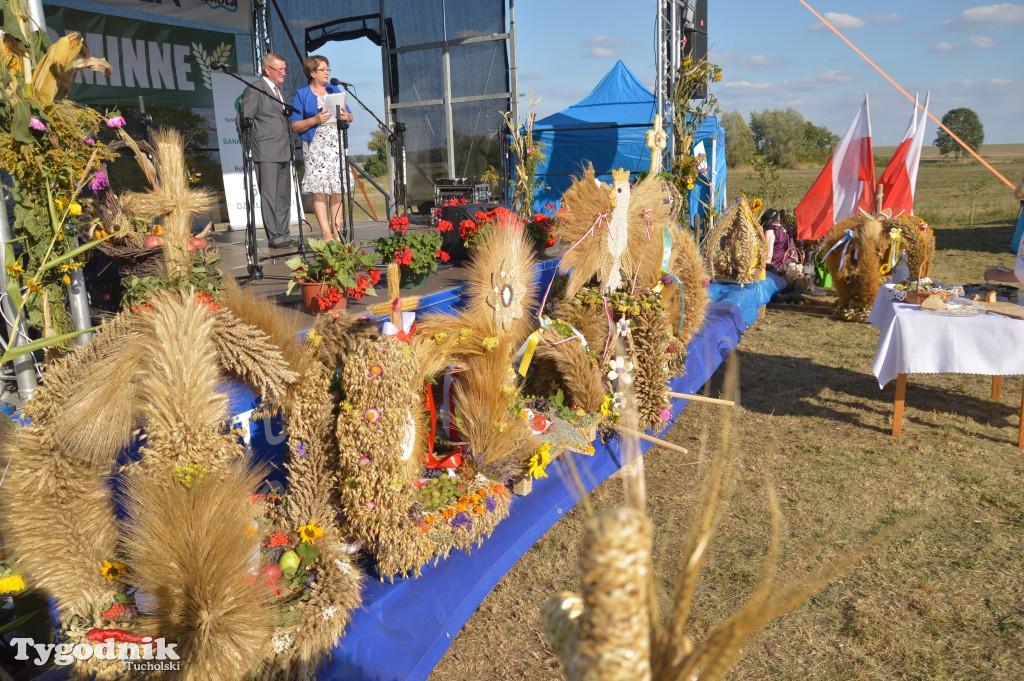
906,94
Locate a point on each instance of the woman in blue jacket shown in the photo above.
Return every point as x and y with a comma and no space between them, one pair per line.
322,178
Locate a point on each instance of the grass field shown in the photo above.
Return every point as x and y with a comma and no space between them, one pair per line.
944,599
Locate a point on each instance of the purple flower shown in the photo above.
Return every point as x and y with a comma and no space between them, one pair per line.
490,504
116,122
99,181
301,450
36,124
665,414
462,520
90,141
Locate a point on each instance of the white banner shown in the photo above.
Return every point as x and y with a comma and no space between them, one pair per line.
234,14
227,90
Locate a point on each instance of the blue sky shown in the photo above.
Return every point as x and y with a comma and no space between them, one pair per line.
774,54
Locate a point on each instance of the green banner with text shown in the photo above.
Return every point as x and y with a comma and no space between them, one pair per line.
167,65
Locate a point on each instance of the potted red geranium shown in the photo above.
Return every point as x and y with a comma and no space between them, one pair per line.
338,271
417,252
543,227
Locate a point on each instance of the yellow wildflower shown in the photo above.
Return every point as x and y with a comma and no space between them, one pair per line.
440,336
75,208
66,280
606,405
190,475
464,335
490,342
11,583
113,570
158,230
60,203
313,338
34,286
310,533
14,268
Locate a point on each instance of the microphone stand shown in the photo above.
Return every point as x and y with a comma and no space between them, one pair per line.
396,138
350,230
253,266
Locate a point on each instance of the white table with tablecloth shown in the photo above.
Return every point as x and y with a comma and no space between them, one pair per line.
913,340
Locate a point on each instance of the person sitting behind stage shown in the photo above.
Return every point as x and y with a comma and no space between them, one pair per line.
269,143
320,150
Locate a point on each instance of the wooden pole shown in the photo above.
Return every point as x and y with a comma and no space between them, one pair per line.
648,438
701,398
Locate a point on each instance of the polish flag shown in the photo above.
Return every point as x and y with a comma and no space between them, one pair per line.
845,184
900,176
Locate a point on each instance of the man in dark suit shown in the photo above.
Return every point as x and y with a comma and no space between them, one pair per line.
270,145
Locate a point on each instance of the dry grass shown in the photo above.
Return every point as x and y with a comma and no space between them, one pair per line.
943,600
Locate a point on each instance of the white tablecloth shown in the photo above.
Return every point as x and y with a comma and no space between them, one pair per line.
916,341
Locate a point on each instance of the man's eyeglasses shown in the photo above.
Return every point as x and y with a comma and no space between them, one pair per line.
283,70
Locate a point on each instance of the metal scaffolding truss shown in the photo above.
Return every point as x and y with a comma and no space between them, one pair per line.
675,18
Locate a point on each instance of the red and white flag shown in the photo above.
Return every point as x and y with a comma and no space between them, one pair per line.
845,184
900,177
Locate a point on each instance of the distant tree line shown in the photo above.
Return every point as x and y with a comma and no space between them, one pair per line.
782,138
785,139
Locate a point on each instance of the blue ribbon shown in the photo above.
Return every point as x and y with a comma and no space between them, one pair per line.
844,241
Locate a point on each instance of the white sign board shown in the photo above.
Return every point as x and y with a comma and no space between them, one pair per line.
227,90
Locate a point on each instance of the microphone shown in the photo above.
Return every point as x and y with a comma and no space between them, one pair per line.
219,66
335,81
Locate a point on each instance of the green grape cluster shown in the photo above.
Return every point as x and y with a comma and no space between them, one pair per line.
440,492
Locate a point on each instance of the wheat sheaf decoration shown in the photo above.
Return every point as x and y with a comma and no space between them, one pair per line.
612,630
207,557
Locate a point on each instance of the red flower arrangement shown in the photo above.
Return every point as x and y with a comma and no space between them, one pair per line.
415,251
343,269
542,228
472,231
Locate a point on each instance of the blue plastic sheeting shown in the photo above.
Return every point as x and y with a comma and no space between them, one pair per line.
749,297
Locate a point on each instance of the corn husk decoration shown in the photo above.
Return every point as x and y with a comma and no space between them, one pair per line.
735,249
854,246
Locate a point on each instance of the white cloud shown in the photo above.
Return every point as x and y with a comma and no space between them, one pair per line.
982,41
605,41
948,47
840,21
987,16
882,18
760,61
534,75
599,52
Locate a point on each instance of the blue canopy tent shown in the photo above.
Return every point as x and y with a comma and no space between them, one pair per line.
608,128
709,140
